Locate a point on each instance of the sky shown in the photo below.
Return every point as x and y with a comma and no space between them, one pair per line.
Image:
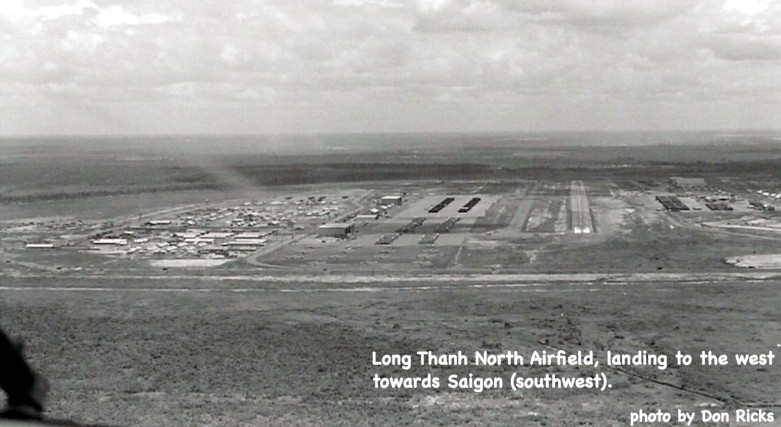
323,66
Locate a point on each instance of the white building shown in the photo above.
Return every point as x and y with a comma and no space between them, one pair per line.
39,246
391,200
367,216
115,242
336,229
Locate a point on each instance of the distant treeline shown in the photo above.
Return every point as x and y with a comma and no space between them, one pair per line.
102,192
375,171
203,178
357,172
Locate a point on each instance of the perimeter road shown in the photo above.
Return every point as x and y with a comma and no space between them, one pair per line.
364,284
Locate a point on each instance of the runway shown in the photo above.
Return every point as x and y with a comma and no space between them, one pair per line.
579,207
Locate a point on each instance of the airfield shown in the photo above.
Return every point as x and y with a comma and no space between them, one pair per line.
518,226
234,306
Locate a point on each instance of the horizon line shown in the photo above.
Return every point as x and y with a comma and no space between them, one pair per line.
349,133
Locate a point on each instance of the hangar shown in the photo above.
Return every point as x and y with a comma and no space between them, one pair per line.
336,229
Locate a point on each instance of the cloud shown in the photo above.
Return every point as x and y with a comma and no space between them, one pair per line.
80,41
747,7
458,15
116,15
230,54
57,11
486,15
621,13
182,89
375,64
746,49
380,3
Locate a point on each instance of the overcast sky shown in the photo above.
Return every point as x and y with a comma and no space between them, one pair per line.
271,66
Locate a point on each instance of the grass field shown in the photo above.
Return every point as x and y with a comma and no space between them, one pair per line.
304,358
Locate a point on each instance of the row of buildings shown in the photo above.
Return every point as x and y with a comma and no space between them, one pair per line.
344,229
